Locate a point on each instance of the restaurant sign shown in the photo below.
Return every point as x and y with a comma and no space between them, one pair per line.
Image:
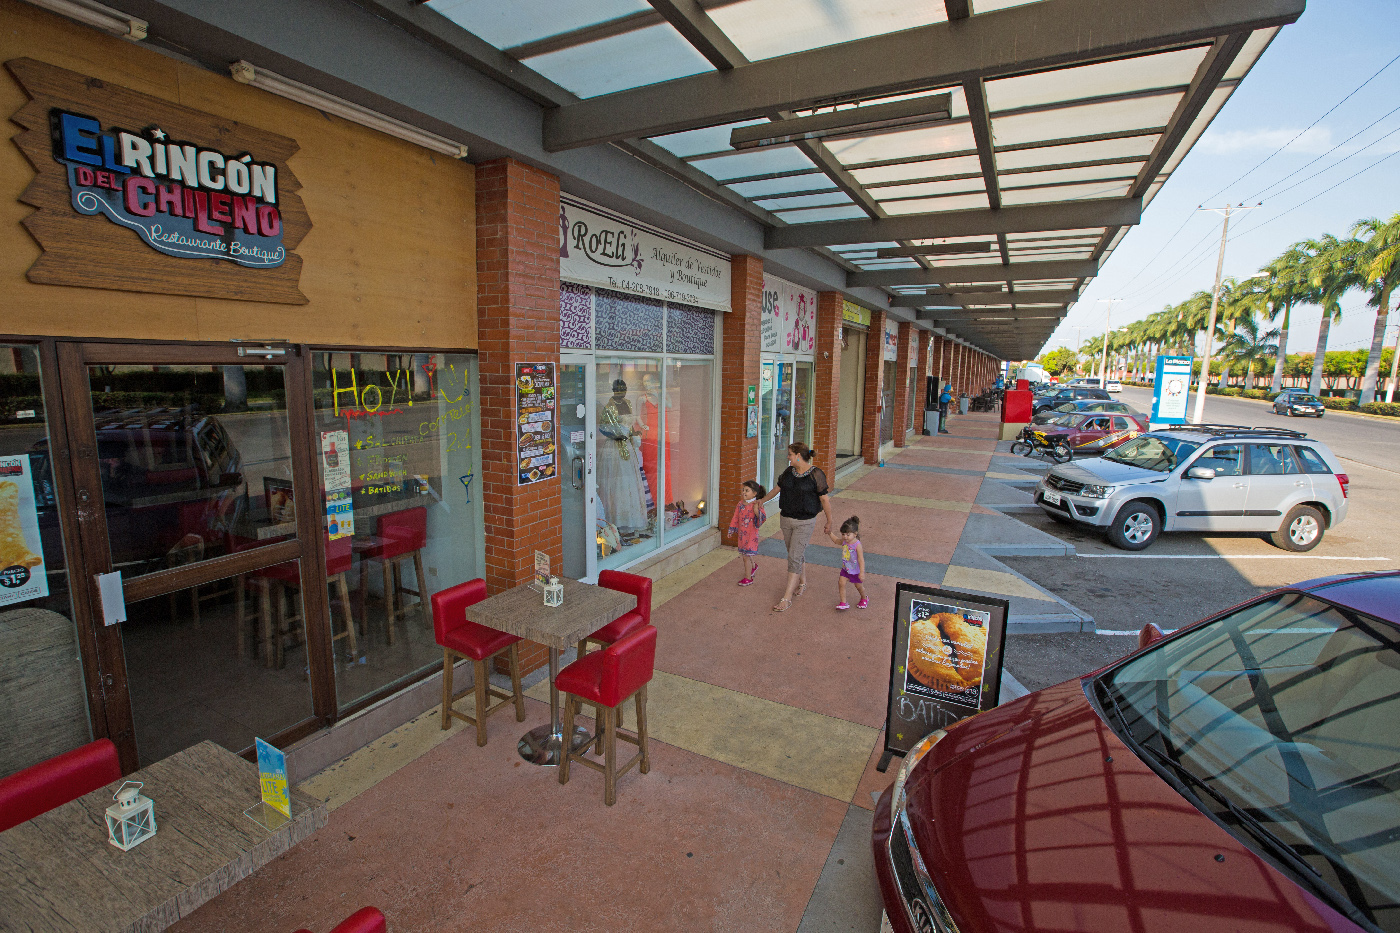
601,248
130,188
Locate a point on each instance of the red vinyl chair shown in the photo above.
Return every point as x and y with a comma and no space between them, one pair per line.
606,679
52,783
401,534
364,920
459,638
630,620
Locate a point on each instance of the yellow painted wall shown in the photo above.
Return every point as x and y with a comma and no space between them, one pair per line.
390,259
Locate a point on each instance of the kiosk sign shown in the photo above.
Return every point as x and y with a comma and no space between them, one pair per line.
1170,389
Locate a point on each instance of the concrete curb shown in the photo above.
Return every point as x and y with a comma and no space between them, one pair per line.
1392,419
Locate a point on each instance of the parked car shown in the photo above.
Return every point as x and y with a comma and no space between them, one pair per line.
1068,394
1204,478
1087,434
1238,774
1088,405
1297,402
1113,385
1090,382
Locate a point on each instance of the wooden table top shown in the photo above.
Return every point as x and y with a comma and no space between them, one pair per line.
61,873
521,611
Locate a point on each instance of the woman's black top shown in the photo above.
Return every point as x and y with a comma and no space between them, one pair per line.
800,497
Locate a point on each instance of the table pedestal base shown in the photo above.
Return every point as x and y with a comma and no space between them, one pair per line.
543,746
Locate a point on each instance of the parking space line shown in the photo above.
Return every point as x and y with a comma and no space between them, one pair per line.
1233,557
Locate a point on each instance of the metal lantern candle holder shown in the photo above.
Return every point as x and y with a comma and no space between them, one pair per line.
132,819
554,592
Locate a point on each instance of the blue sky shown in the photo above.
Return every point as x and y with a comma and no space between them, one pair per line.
1311,65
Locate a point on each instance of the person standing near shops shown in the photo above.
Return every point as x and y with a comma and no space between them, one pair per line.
802,495
944,401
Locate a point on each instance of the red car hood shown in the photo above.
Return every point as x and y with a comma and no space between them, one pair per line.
1034,816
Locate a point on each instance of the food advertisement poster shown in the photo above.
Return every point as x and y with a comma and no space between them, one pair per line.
534,408
22,575
335,475
945,663
272,774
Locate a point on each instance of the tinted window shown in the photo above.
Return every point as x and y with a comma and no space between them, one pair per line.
1312,460
1159,454
1271,460
1122,424
1224,459
1096,424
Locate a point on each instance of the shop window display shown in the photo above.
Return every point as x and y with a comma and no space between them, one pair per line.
399,465
627,503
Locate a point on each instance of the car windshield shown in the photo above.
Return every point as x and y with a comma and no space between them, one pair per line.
1280,719
1296,397
1152,452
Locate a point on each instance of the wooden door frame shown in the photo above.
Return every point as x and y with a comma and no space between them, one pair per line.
81,484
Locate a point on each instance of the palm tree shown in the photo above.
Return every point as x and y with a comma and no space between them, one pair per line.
1381,272
1249,345
1284,288
1238,301
1331,273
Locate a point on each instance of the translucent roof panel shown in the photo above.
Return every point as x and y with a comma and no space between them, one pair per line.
829,199
807,181
768,28
822,213
1218,97
769,161
927,141
905,171
1254,46
702,141
509,24
1130,147
618,63
1167,69
987,6
1062,175
1084,120
961,202
928,189
1065,193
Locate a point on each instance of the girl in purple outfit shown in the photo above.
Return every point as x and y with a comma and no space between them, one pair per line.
852,561
748,517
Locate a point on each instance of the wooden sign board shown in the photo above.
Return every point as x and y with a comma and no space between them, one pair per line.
945,664
138,194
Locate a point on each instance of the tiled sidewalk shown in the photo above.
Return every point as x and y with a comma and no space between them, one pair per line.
766,729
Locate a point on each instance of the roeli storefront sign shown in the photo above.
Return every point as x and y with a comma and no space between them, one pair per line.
173,184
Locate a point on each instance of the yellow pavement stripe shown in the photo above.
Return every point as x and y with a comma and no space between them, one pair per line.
990,581
798,747
1028,476
683,578
947,505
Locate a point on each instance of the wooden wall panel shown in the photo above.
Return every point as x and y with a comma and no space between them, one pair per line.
389,260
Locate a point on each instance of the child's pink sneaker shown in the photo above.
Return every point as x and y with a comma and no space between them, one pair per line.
843,605
863,604
746,581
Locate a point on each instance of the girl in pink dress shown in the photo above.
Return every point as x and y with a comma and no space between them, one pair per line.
748,517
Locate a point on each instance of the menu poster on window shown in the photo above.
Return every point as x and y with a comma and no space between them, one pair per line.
945,663
534,408
22,575
335,476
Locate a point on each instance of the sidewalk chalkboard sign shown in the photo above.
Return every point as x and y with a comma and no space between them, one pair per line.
945,664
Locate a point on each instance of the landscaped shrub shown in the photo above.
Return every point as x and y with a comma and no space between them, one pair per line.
1339,404
1382,408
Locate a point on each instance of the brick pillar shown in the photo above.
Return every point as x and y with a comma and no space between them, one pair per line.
874,382
901,390
738,453
517,266
826,394
921,382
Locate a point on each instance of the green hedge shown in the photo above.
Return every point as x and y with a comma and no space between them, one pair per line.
1339,404
1382,408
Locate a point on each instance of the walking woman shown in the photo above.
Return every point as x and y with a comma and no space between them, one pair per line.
802,495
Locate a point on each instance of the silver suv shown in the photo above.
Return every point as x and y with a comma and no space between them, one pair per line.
1203,478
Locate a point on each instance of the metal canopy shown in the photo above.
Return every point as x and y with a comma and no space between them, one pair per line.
1063,119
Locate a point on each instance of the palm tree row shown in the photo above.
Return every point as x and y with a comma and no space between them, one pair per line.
1312,272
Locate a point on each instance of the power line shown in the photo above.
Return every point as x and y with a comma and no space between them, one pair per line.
1326,154
1316,196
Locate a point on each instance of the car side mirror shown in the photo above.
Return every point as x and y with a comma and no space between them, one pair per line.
1201,473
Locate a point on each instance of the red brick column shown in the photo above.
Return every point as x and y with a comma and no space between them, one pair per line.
517,268
874,382
901,388
826,394
738,453
921,382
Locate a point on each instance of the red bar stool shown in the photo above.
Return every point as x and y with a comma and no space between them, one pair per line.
401,534
277,624
606,679
364,920
630,620
55,781
460,638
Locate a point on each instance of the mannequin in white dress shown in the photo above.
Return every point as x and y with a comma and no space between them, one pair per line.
620,464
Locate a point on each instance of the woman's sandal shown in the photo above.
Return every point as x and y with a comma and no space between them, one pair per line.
783,605
802,585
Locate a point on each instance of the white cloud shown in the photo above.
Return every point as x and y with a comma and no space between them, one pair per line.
1230,142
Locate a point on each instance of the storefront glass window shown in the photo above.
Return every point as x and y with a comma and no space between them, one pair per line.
887,391
629,431
688,431
41,677
399,465
802,404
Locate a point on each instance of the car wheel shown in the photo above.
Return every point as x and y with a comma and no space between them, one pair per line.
1321,413
1135,527
1061,453
1301,530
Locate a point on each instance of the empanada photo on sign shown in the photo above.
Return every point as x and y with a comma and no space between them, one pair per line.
13,549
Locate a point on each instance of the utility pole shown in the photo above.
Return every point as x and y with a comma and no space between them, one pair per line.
1103,361
1227,210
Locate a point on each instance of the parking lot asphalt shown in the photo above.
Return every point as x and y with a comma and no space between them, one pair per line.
1186,577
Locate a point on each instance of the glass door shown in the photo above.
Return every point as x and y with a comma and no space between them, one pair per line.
767,389
782,418
802,403
576,441
194,483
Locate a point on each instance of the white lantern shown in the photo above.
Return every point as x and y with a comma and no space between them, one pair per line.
132,819
554,592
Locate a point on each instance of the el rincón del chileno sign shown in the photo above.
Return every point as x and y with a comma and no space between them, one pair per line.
184,200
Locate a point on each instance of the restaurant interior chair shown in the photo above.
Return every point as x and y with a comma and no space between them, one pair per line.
401,534
607,679
278,625
364,920
638,586
460,638
52,783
